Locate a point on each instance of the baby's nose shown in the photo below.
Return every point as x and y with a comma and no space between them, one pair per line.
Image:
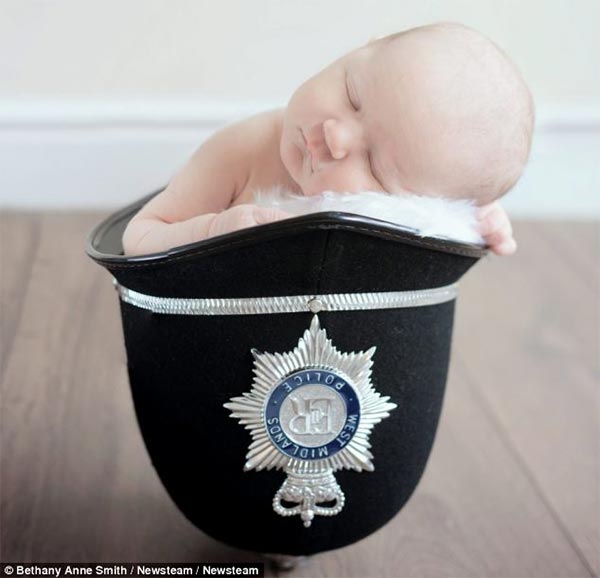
335,138
322,144
317,147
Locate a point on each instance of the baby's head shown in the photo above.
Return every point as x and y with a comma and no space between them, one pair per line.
436,110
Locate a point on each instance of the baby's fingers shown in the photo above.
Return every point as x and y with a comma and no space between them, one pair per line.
496,229
493,218
505,248
501,241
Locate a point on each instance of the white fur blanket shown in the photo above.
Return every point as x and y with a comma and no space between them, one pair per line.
424,216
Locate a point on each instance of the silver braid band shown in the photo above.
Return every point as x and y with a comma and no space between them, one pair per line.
288,304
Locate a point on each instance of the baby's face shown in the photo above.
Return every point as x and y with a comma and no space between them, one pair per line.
424,114
336,129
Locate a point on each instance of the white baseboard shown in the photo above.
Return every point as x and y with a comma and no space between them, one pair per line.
84,155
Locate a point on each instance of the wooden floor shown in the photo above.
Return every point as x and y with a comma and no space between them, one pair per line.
512,486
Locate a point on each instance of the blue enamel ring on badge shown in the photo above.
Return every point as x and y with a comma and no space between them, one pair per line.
312,414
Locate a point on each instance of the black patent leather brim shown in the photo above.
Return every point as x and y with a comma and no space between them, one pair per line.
104,241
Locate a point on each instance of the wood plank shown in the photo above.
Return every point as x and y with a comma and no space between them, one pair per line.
577,243
527,335
19,238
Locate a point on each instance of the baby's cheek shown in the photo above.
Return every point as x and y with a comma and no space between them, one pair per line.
343,178
291,157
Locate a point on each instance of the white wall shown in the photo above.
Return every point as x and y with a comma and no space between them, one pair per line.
100,101
263,49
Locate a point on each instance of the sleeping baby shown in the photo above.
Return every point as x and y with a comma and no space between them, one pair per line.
437,111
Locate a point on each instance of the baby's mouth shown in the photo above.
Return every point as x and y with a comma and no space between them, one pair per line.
308,158
318,152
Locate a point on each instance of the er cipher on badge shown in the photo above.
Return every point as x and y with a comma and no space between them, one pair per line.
310,412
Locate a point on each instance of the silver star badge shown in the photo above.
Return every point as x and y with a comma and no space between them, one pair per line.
310,412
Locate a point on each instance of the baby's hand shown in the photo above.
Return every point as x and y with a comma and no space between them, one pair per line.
243,216
496,229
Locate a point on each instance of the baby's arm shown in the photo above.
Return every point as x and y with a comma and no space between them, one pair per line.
494,226
194,206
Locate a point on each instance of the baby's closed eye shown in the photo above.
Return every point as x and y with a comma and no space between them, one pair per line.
349,94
